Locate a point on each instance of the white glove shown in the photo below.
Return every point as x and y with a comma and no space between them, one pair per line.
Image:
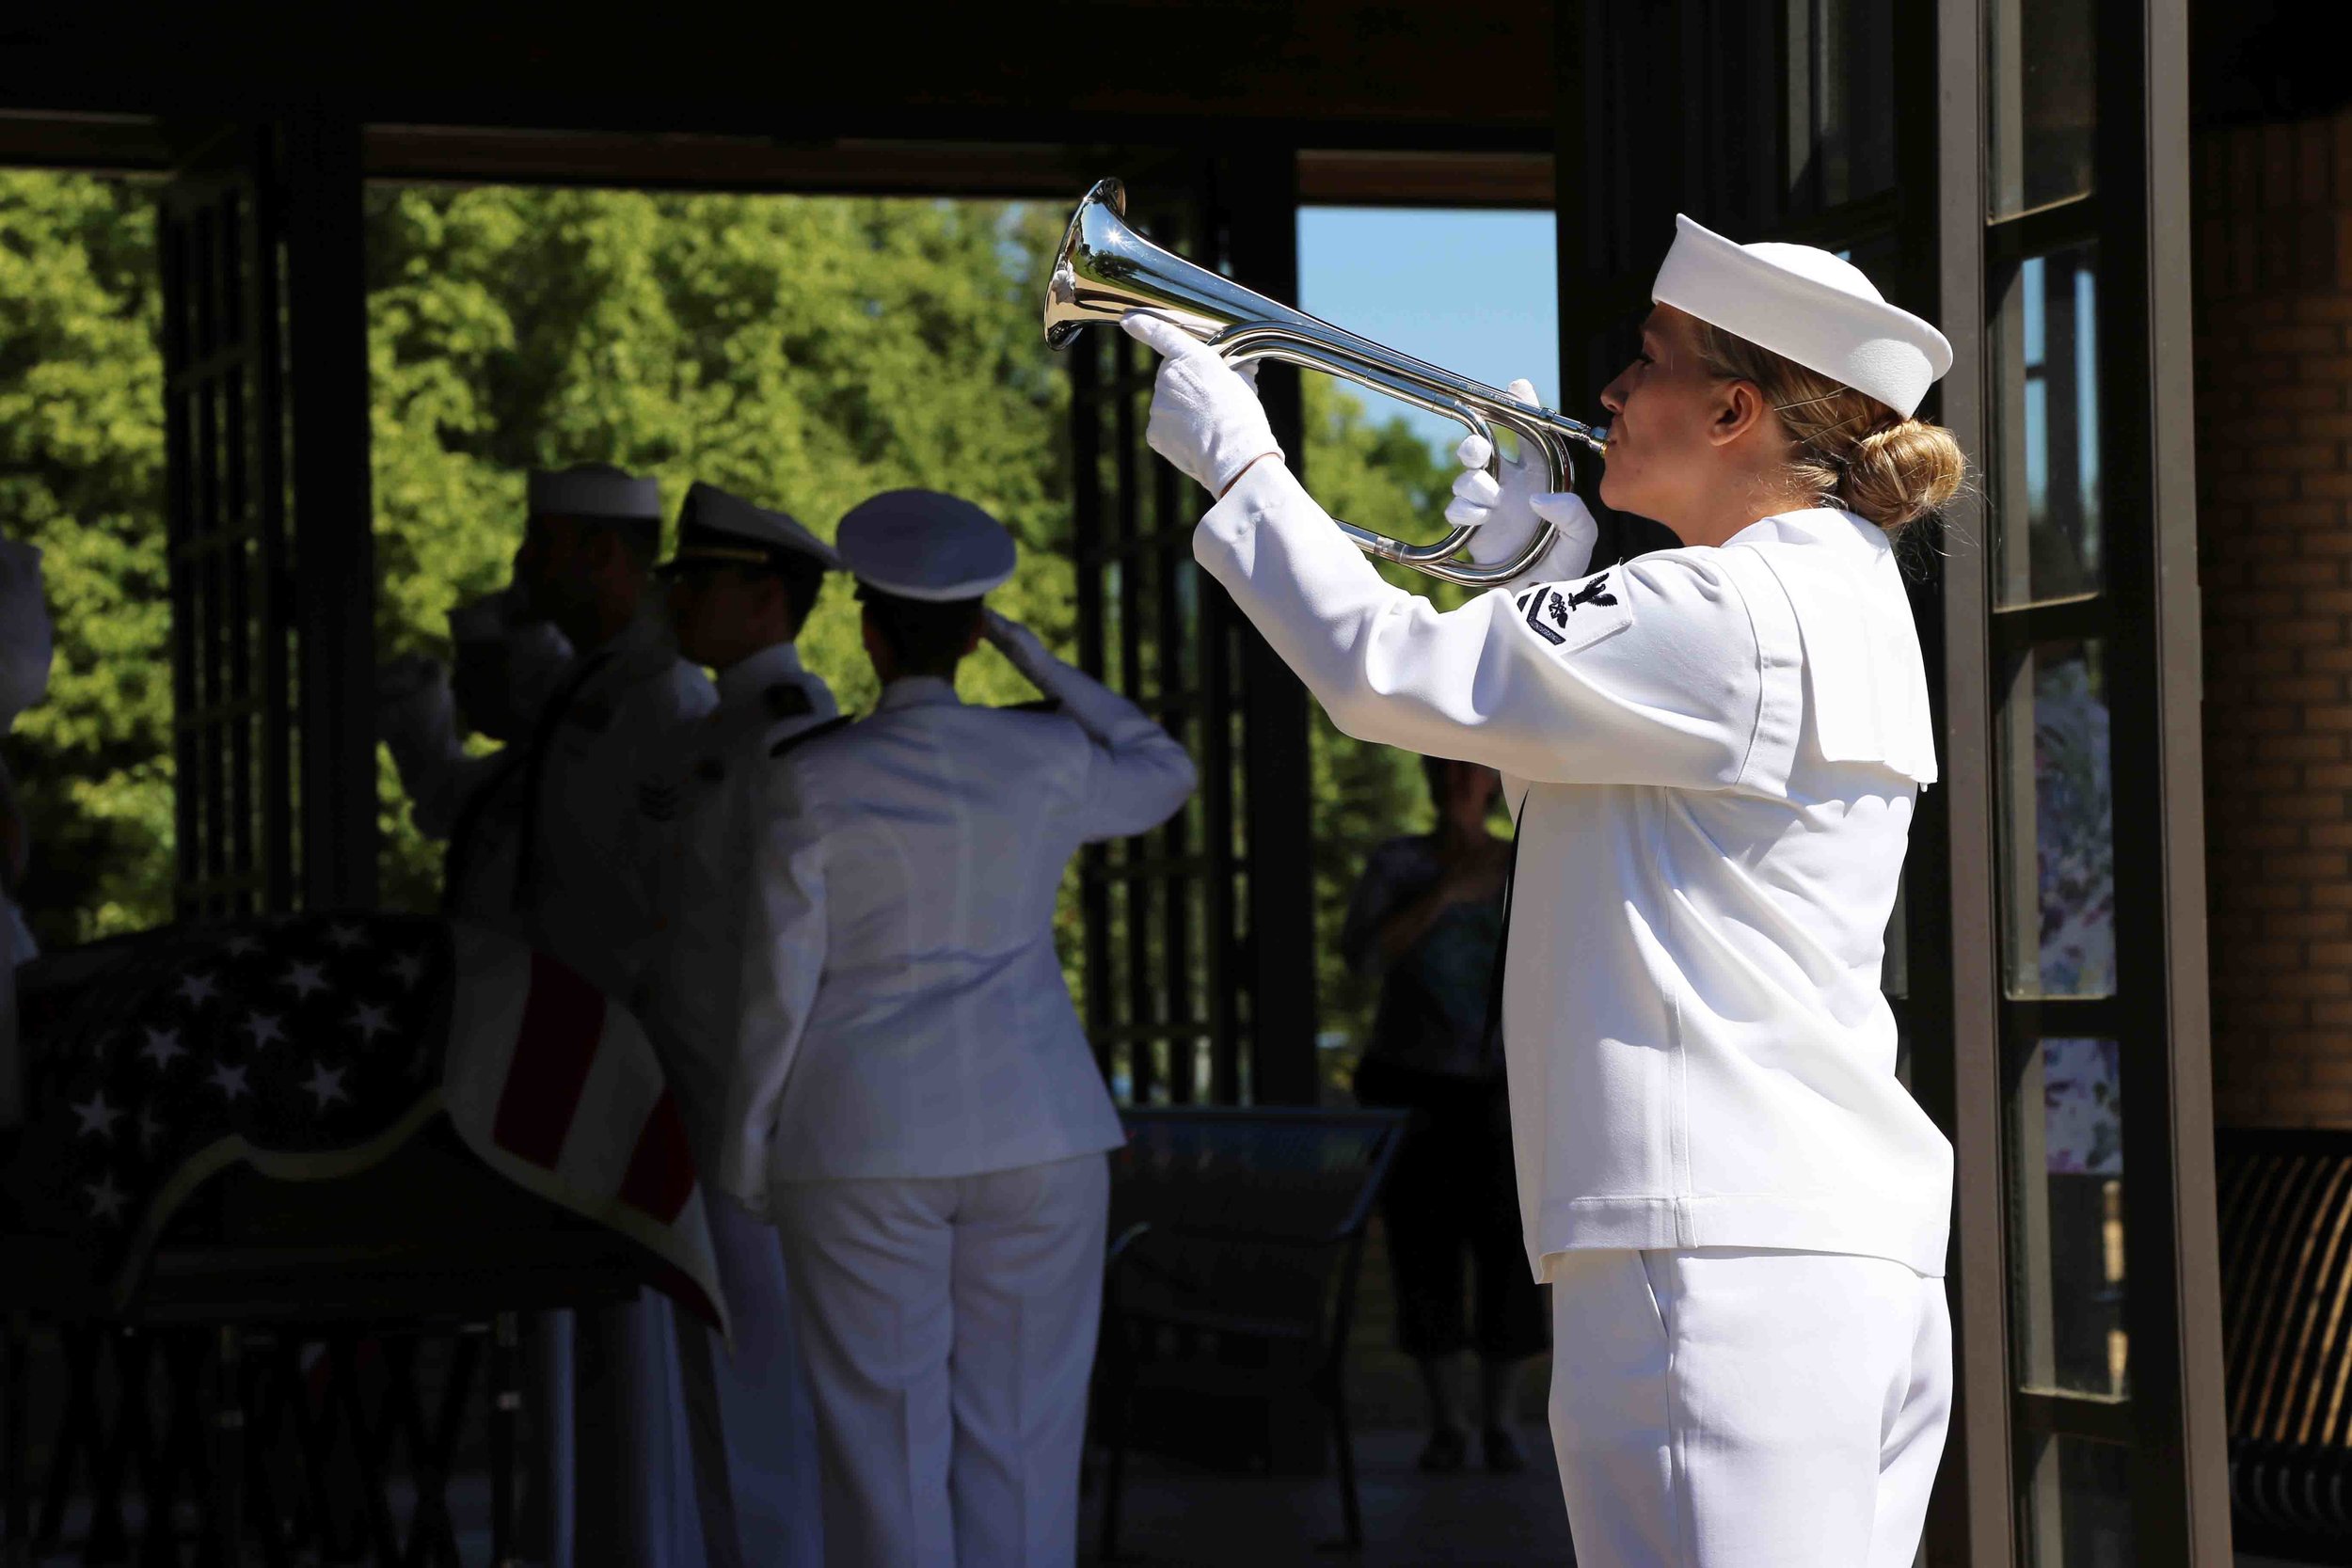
1021,647
1507,512
1206,417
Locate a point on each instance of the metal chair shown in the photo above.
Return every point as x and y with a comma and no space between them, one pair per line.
1237,1238
2285,1210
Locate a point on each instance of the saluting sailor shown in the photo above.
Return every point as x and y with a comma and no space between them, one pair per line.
742,583
25,650
1713,754
544,842
914,1101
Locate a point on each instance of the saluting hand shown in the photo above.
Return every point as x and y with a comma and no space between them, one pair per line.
1206,417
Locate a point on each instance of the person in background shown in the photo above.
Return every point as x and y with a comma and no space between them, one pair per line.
27,646
914,1101
1426,917
742,583
543,844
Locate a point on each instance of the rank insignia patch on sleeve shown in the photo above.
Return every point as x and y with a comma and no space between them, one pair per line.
1569,616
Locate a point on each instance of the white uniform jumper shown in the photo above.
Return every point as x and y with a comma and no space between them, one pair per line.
1713,757
747,1409
916,1105
25,651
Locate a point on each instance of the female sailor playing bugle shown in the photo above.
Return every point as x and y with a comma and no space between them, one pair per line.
1712,753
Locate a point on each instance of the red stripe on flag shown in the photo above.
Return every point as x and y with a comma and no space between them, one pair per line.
562,1022
661,1170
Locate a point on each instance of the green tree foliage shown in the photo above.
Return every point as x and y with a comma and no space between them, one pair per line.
804,352
81,475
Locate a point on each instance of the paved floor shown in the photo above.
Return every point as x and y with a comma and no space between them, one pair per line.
1175,1517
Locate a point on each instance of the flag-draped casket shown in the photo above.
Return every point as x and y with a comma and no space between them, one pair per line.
311,1048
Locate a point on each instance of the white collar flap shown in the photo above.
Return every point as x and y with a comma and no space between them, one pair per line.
1864,681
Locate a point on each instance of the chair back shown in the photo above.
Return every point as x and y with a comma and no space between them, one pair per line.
2284,1205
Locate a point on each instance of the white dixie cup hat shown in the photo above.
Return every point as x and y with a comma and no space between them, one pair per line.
1806,305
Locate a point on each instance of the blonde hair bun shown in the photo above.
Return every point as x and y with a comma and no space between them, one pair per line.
1901,473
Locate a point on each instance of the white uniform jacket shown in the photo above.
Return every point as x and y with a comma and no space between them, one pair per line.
905,1013
1714,755
546,842
695,812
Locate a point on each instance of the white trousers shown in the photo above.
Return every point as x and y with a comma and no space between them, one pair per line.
631,1483
949,1328
748,1411
1736,1408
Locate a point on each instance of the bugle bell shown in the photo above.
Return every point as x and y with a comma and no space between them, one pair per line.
1105,269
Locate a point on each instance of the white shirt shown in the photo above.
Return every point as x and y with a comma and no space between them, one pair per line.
905,1013
1714,755
696,814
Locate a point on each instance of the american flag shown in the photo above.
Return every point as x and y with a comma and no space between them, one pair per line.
313,1046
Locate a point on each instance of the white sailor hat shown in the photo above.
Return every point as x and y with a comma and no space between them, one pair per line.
719,529
597,491
923,544
1806,305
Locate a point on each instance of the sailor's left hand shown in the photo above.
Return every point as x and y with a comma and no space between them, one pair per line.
1206,417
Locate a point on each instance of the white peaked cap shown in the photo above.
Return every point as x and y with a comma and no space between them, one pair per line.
923,544
595,490
1807,305
719,527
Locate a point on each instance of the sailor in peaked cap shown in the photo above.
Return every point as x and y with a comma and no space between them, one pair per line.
914,1103
742,583
542,844
1713,752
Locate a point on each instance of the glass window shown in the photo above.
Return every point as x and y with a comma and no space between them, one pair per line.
1841,105
2046,432
2057,821
2077,1509
2066,1219
2041,78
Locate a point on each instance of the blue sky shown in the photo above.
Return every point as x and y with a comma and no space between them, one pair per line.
1476,291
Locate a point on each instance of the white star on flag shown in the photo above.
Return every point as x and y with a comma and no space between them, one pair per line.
408,969
161,1046
229,1081
97,1115
264,1030
305,978
343,939
149,1129
325,1085
105,1198
198,989
371,1020
244,946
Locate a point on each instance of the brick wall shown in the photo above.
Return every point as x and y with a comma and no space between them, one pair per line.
2274,463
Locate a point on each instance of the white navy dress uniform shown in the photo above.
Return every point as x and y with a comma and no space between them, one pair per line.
747,1406
915,1104
1714,755
26,647
544,844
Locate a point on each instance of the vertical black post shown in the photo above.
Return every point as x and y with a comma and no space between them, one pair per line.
1257,198
331,524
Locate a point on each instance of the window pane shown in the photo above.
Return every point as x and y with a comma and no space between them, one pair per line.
2057,825
2041,76
2076,1508
2045,465
2066,1219
1840,103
